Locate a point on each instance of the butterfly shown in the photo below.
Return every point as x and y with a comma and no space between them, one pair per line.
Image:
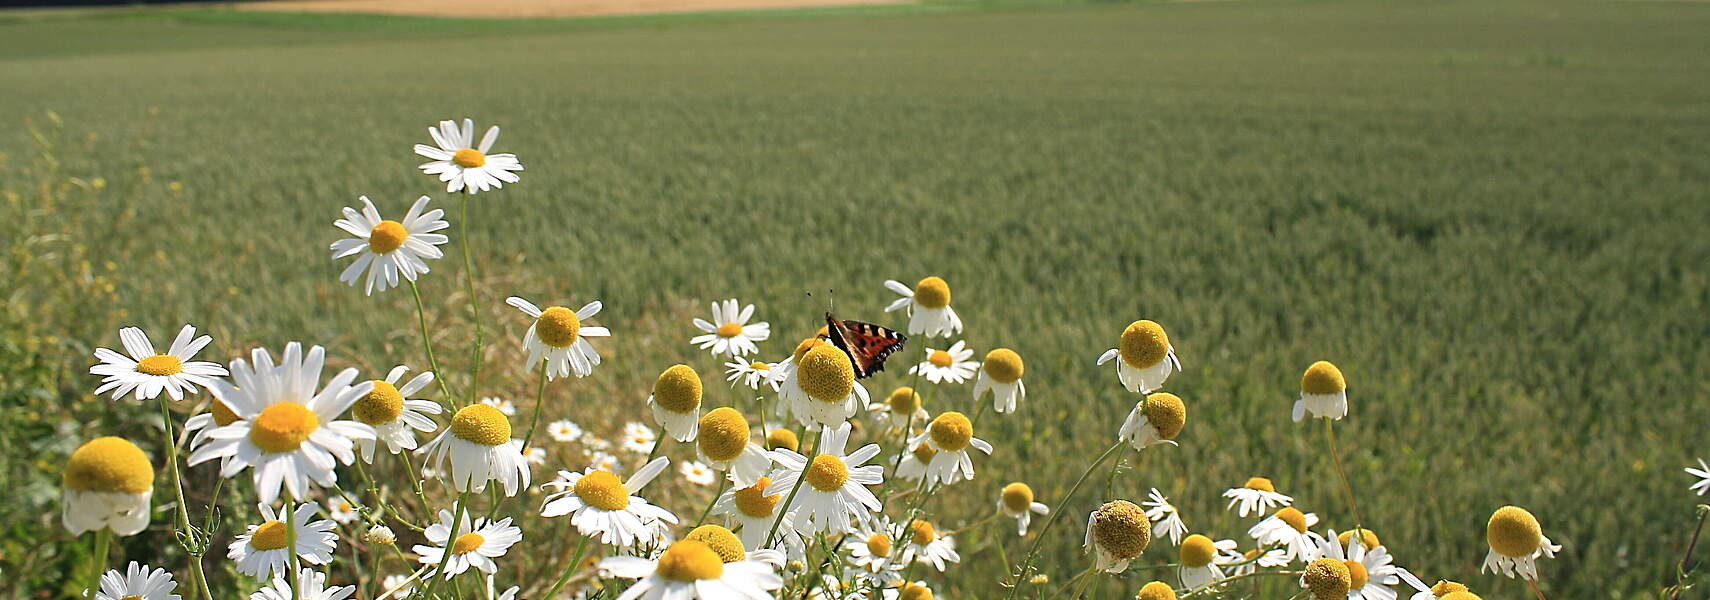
866,344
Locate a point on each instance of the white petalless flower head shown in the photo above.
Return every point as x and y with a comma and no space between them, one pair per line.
559,338
1323,393
729,333
464,166
950,365
394,416
386,248
138,582
311,585
476,546
928,307
1517,541
1001,374
148,373
601,506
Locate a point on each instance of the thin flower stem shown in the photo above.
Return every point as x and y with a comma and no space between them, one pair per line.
1330,430
723,483
1033,549
291,545
462,508
658,443
98,558
1535,589
185,533
447,399
213,501
539,401
1215,585
569,568
416,483
474,303
1686,561
784,509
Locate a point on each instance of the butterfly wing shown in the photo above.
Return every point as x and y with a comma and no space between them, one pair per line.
866,344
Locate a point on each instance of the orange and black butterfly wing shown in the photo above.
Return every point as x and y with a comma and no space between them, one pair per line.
866,344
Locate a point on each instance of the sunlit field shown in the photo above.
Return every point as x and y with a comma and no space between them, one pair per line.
1490,216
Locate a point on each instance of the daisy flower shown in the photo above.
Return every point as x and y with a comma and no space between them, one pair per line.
1168,520
821,388
1703,475
604,461
754,374
689,570
1323,392
928,307
388,409
731,549
898,410
138,582
286,430
732,335
1442,589
462,165
476,547
1244,563
697,472
340,510
1147,357
950,365
875,554
504,406
1016,502
108,483
754,508
1327,579
599,504
836,489
782,438
913,465
1198,560
380,535
1156,590
534,456
564,431
386,248
147,372
311,585
262,550
724,444
1258,495
1290,529
1156,419
913,590
1119,532
676,402
1516,542
638,438
481,449
927,547
1370,570
950,435
1001,375
558,340
218,415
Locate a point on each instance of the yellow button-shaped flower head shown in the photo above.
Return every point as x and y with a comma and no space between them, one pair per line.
1367,538
904,401
952,431
1514,532
481,424
754,501
1144,344
914,591
782,438
932,292
603,490
387,236
1156,590
1328,579
1166,413
379,406
825,374
721,541
283,427
724,434
558,327
1197,551
1004,366
827,473
1259,483
1121,529
109,464
678,389
690,561
1017,497
1323,378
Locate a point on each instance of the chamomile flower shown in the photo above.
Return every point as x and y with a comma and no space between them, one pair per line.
219,415
753,508
1370,569
1198,560
697,472
1440,590
913,590
476,546
559,340
1148,359
732,334
388,409
928,307
148,373
1292,530
264,549
1156,590
950,365
875,553
386,248
1239,563
535,456
341,510
108,483
504,406
604,461
950,435
899,409
676,402
481,449
638,438
724,444
913,465
926,546
1323,392
564,431
138,582
1257,495
1327,579
690,570
285,429
1516,542
836,495
731,549
1016,502
464,166
1703,474
754,374
1156,419
1001,375
1167,520
1119,532
782,438
599,504
822,389
310,585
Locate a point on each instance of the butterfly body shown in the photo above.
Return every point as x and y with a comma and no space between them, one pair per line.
866,344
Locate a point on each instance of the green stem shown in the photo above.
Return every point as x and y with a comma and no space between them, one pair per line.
474,303
462,508
569,569
1330,430
183,531
446,397
1033,549
98,558
415,483
1216,585
784,508
291,545
539,401
723,483
658,442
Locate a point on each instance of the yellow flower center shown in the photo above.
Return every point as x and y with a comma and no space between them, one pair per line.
387,236
912,591
223,414
827,473
1259,483
1356,574
1445,587
1328,579
825,374
1294,518
271,535
753,500
481,424
160,365
940,358
690,561
806,345
467,543
1156,590
109,464
1122,529
721,541
1017,497
923,532
1252,554
131,597
1004,365
1197,551
1144,344
558,327
952,431
283,427
932,292
904,401
924,453
1461,595
1322,378
603,490
879,545
731,329
380,406
1367,538
469,158
782,438
724,434
759,366
1166,413
678,389
1514,532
